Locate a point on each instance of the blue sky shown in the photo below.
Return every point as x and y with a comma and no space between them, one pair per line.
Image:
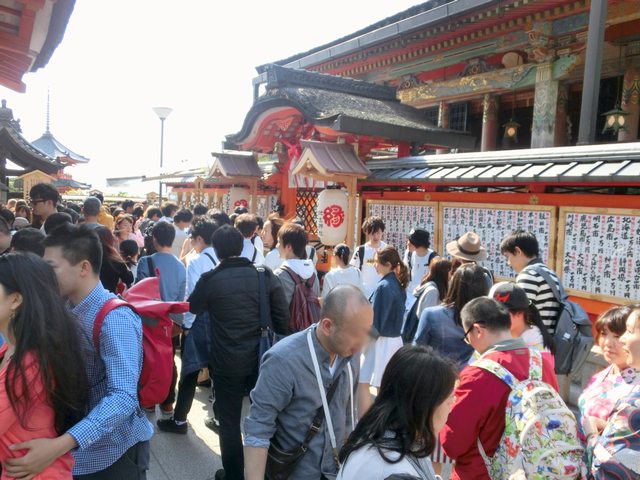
120,58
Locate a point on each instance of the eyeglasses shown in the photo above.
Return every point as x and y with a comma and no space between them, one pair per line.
465,339
33,202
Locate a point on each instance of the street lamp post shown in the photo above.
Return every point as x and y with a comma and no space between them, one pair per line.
163,113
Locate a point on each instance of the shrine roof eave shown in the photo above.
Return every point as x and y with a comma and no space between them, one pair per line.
414,18
49,145
356,115
22,153
62,10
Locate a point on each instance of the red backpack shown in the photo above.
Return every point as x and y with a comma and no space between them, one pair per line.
305,307
157,365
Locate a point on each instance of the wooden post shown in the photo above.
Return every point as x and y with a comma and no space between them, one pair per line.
253,185
352,191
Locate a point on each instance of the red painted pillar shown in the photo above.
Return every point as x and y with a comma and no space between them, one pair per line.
404,149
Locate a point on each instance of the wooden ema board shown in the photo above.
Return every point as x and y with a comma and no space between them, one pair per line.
402,216
599,253
493,222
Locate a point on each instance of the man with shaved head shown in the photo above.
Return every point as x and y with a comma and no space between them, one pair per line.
287,399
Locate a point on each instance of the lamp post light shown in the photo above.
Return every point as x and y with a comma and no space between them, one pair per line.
163,113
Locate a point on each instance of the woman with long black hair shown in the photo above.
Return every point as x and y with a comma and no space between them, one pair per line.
43,384
114,273
399,432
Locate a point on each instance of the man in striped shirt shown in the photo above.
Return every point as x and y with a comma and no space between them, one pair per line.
522,252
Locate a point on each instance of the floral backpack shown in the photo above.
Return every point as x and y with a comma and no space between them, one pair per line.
540,439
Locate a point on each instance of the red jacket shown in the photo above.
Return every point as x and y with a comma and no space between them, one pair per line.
479,411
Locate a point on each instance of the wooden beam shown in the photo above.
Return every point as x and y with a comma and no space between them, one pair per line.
253,186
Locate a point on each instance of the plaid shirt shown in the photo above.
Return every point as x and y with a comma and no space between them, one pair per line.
115,421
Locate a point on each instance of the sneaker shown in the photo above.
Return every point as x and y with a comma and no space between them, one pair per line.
170,426
220,475
212,424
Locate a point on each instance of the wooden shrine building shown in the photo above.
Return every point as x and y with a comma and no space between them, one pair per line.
468,114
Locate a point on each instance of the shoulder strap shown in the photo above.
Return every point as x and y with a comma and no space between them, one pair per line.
262,292
211,258
313,253
498,370
152,269
433,255
409,257
560,296
253,240
361,256
108,306
255,254
294,276
535,364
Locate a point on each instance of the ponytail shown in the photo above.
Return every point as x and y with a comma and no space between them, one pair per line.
343,252
389,255
404,277
532,318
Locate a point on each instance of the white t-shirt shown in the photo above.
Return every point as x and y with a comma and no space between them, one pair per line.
366,462
370,277
419,267
252,252
341,276
176,246
273,259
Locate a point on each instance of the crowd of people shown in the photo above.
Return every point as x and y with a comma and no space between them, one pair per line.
396,362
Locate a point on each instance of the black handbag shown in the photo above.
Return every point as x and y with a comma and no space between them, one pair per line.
281,463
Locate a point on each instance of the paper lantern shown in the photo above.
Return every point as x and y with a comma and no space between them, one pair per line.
331,216
239,197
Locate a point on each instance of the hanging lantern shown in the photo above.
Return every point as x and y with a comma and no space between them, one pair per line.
615,119
331,216
511,130
238,197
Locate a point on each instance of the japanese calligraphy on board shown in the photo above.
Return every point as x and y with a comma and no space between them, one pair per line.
492,222
599,253
402,216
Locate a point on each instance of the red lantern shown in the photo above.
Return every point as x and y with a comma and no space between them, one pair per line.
331,216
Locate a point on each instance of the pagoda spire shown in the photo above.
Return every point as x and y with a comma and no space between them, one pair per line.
48,111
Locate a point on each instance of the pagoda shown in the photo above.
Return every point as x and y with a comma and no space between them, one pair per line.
52,147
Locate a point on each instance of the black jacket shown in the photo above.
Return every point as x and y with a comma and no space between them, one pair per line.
230,295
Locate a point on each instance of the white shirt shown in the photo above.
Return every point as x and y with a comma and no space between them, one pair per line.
176,246
197,265
252,251
370,277
366,462
273,259
419,267
342,276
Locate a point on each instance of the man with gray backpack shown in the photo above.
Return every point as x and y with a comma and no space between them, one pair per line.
566,321
508,421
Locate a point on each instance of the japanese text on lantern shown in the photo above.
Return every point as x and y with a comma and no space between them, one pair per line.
601,254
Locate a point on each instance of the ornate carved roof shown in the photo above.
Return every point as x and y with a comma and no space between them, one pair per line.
349,106
17,149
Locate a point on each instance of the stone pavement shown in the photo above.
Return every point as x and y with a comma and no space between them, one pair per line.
195,456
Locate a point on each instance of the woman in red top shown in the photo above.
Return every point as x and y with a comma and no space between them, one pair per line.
43,385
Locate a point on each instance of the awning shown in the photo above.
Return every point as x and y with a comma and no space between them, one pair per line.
619,163
235,164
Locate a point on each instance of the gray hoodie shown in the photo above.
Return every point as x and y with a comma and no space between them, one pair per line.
304,268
